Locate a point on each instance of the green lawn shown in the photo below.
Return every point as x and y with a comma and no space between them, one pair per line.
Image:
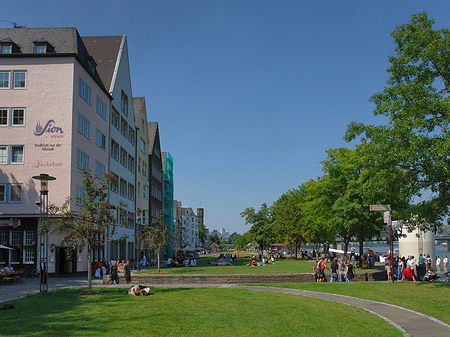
240,267
432,299
185,312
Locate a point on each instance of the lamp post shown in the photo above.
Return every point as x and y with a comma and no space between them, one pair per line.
43,237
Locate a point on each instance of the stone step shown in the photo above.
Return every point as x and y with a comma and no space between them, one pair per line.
237,278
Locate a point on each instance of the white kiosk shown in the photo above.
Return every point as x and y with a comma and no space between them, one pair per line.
417,242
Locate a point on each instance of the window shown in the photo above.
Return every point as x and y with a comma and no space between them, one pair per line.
130,220
20,79
123,157
6,48
40,48
99,170
114,183
156,192
131,136
15,193
114,150
123,187
82,160
115,118
15,238
131,192
3,154
131,163
3,117
17,154
29,238
123,218
84,126
156,172
3,237
100,139
101,108
124,103
84,91
80,194
123,127
4,79
139,190
28,255
2,193
144,191
142,145
18,117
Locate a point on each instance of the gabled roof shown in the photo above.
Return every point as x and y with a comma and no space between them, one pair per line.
105,50
152,134
64,42
140,110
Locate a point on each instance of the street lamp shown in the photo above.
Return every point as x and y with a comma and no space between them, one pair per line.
43,238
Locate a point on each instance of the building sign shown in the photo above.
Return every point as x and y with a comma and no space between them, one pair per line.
14,222
49,129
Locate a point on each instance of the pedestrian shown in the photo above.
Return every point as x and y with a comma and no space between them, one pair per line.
128,272
438,264
349,275
115,272
334,270
445,263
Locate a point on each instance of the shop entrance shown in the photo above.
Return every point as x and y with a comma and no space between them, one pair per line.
65,264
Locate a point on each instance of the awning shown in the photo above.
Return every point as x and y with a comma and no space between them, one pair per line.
4,247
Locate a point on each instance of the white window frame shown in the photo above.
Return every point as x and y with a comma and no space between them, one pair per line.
15,72
5,161
13,110
84,90
6,46
11,152
8,73
29,238
28,255
82,160
101,108
7,117
99,170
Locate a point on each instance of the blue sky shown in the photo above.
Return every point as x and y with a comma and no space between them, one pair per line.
248,93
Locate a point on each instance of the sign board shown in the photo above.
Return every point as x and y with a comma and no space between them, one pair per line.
14,222
397,224
380,208
387,217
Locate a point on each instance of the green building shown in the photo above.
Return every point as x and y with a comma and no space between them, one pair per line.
168,198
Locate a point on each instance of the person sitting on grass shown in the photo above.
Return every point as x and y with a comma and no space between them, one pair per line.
409,274
139,291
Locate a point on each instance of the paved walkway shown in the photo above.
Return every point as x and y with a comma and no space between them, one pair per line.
409,322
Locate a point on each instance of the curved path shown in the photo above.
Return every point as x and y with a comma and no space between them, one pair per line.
409,322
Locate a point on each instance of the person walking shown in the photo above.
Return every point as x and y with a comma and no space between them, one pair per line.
445,263
334,270
349,275
128,272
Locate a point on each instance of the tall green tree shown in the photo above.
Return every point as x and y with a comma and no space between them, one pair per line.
261,221
156,237
416,103
286,214
87,226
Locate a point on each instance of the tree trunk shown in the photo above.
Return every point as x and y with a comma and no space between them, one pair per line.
361,246
157,256
89,269
346,242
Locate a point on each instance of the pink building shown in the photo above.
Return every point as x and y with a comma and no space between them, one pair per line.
54,119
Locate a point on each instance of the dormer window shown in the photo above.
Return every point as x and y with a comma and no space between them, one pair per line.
40,48
6,48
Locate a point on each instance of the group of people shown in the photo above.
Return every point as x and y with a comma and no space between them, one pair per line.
182,260
340,271
7,269
117,267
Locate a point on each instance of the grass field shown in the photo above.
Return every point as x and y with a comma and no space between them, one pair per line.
240,267
429,298
185,312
